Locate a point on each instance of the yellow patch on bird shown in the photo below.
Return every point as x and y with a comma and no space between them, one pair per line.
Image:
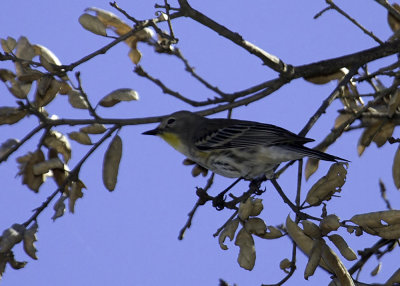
172,139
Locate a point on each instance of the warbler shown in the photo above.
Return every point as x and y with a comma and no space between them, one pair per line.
234,148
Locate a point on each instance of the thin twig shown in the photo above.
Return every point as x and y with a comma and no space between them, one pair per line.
200,201
335,7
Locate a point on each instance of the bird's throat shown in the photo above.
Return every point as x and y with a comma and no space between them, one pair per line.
173,140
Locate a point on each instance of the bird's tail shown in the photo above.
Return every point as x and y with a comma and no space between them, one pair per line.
315,154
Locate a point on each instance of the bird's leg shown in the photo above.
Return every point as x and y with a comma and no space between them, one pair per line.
219,200
255,185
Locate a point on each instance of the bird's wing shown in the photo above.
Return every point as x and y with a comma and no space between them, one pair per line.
247,134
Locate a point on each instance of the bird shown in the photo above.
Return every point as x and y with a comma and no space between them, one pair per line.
234,148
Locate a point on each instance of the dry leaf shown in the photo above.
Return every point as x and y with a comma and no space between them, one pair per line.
11,115
122,94
394,103
344,249
304,242
257,207
6,75
334,263
110,20
8,45
135,55
30,76
384,133
396,168
323,79
272,233
392,20
77,100
311,167
11,236
329,223
58,142
285,264
95,128
45,166
245,209
26,170
247,253
46,91
111,161
314,258
255,226
74,194
328,185
29,240
80,137
311,229
394,279
228,231
377,269
7,146
47,57
372,223
93,24
59,208
19,89
367,136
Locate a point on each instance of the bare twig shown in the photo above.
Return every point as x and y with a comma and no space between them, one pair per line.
335,7
200,201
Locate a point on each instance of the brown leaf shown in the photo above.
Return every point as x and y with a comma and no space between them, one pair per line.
6,75
255,226
25,51
11,236
59,208
314,258
334,263
135,55
384,133
77,100
111,161
80,137
325,78
46,91
367,136
247,253
285,264
6,146
95,128
394,103
311,229
122,94
392,20
328,185
74,194
396,168
8,44
45,166
93,24
245,209
377,269
372,223
304,242
19,89
47,57
228,231
29,240
26,170
58,142
272,233
11,115
343,247
329,223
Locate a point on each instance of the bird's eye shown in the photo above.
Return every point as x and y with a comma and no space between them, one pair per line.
170,121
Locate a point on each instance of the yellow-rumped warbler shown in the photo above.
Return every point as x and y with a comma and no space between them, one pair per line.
234,148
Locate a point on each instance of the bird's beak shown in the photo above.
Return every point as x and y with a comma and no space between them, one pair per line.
155,131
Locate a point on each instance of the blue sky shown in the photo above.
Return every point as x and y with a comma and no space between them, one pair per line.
129,237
